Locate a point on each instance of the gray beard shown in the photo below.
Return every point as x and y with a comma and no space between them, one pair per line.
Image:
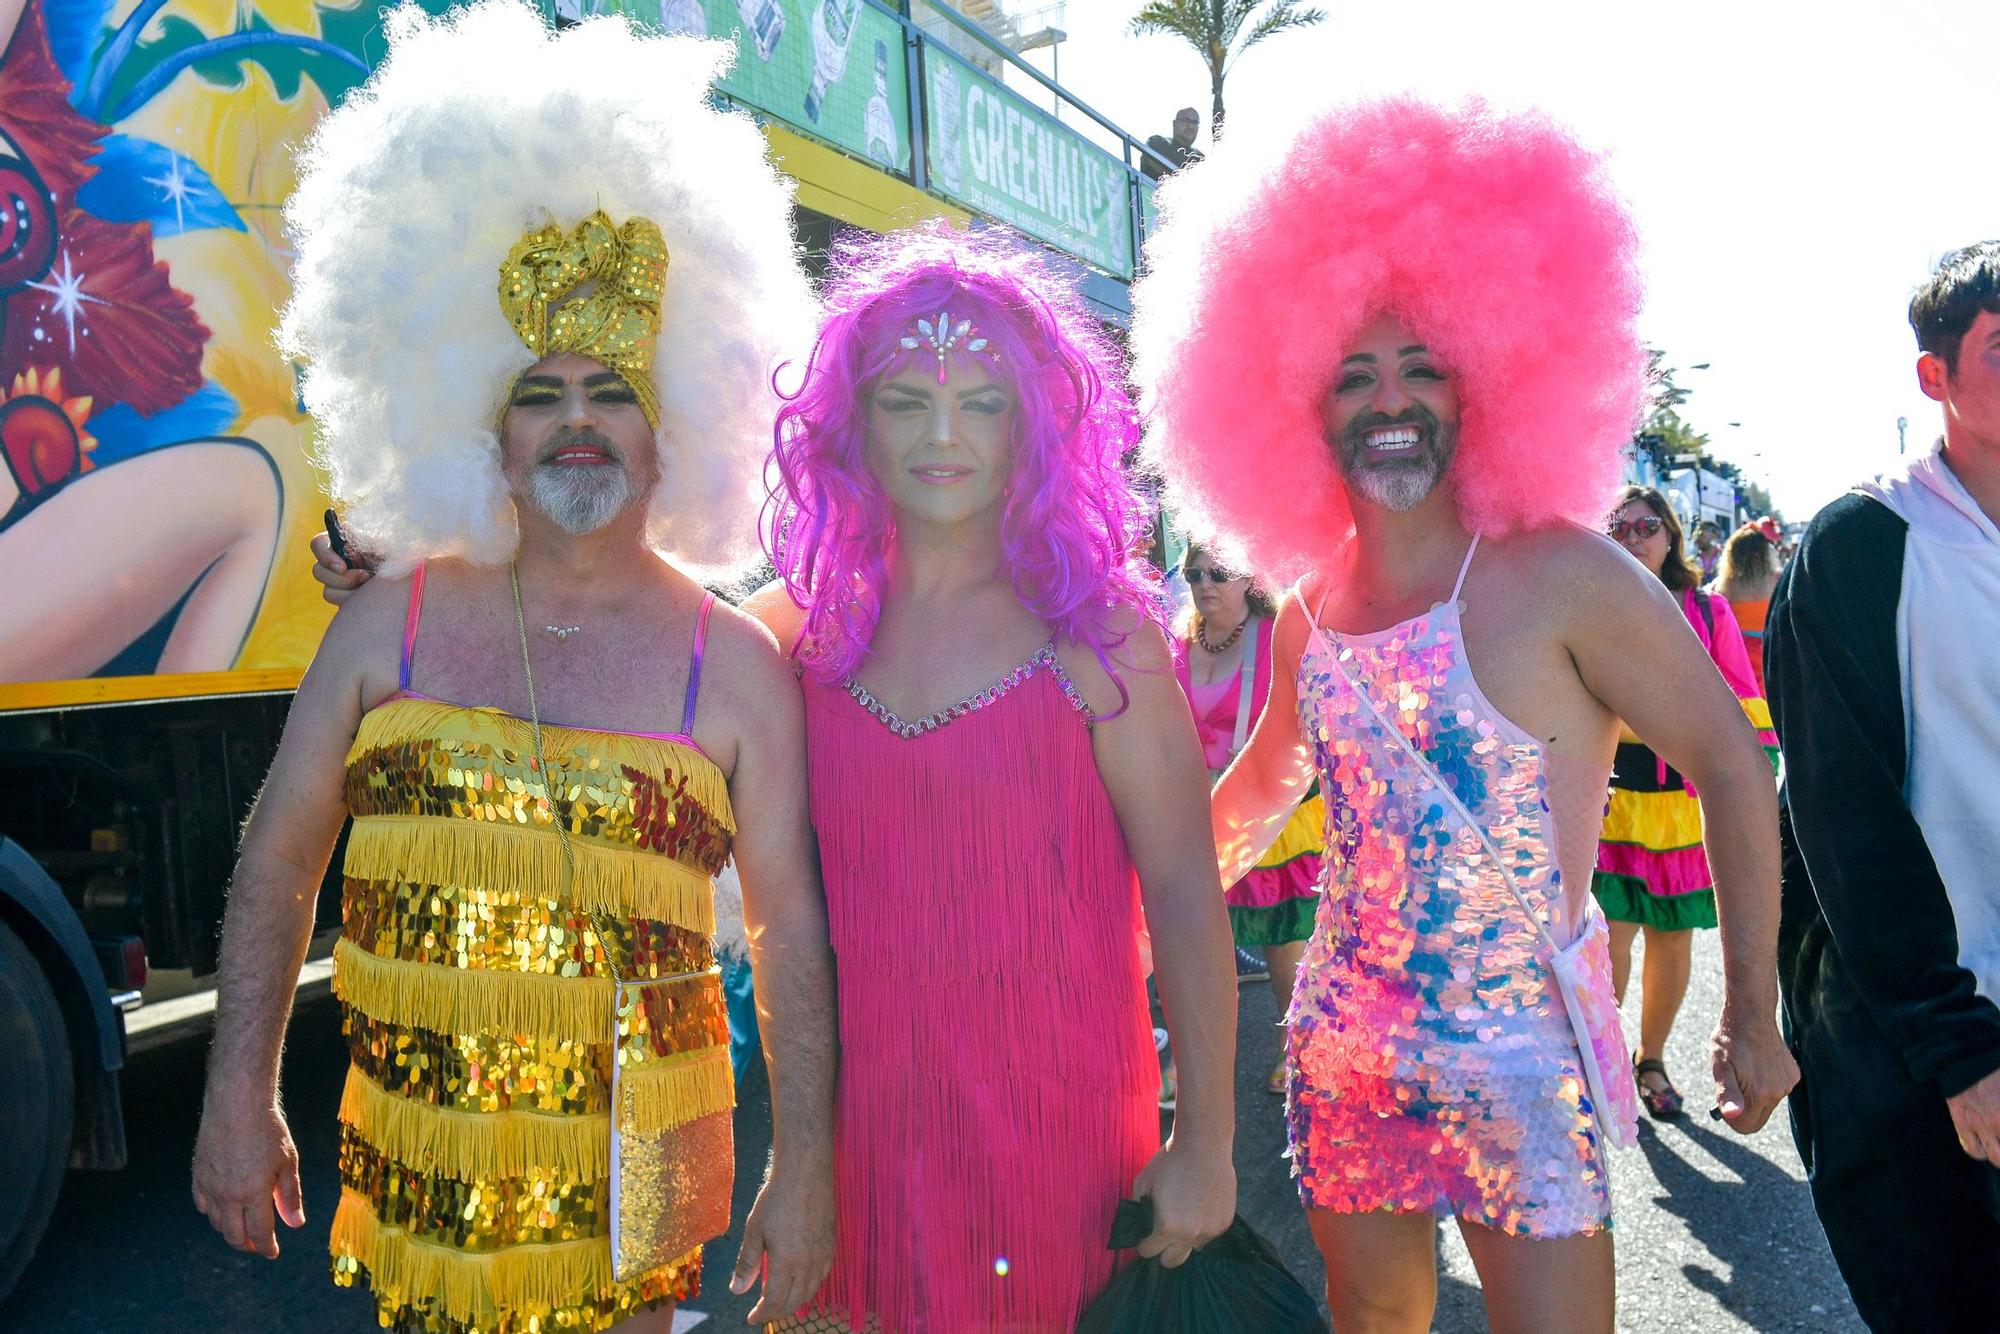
1403,484
579,500
1398,487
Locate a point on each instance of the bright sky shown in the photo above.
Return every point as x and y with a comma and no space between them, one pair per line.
1795,170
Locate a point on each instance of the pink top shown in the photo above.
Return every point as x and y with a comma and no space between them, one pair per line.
1725,645
1732,659
997,1072
414,616
1215,705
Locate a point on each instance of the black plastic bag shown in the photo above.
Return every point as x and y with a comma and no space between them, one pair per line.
1234,1284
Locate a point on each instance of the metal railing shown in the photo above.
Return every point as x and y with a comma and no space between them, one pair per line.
1059,183
983,37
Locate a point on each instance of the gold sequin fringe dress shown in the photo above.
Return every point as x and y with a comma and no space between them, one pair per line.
476,1120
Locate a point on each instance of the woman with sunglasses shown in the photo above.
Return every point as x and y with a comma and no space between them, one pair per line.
1652,874
1224,662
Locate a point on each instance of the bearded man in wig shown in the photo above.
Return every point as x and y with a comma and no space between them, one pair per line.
540,288
1398,360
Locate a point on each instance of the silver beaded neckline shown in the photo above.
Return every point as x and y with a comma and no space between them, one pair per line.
1044,659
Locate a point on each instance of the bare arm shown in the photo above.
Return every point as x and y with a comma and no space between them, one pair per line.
1637,654
784,913
1150,761
1266,782
244,1159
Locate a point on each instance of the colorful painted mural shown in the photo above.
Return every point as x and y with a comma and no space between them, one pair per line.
156,487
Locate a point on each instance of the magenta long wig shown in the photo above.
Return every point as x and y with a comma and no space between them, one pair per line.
1496,237
1070,516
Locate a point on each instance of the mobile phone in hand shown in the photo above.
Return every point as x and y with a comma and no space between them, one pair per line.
338,539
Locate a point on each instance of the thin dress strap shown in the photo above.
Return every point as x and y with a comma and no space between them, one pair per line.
410,620
1464,568
694,664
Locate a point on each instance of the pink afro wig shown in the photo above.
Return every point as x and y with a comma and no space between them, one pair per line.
1071,518
1496,238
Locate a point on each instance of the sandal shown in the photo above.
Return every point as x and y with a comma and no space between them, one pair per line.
1662,1104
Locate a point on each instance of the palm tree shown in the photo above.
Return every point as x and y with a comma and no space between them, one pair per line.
1221,30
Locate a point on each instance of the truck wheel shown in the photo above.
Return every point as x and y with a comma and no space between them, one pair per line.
41,1095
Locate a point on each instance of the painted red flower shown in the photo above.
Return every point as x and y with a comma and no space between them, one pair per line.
108,316
36,114
105,313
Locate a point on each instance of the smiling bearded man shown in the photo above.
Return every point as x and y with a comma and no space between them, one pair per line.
1400,361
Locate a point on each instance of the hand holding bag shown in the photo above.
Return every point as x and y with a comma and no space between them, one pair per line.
1235,1282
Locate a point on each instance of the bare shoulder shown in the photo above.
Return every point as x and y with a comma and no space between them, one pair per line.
1566,565
743,656
363,644
1142,662
772,605
1293,625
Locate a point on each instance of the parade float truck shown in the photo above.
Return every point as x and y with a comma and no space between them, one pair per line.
158,489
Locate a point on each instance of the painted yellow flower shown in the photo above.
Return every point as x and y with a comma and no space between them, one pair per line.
42,432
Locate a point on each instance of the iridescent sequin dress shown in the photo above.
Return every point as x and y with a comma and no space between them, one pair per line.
1433,1068
476,1121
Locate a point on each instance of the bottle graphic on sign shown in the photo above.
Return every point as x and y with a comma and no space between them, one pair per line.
947,106
881,125
683,18
765,22
832,33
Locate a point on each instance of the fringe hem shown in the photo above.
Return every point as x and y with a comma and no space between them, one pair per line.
469,1000
426,850
475,1146
661,1095
400,721
477,1288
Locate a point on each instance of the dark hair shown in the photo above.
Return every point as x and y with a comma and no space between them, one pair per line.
1677,571
1749,555
1966,281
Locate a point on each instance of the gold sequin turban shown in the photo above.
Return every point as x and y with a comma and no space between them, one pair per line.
617,321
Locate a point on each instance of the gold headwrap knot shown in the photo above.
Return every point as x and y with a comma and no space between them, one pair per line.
616,322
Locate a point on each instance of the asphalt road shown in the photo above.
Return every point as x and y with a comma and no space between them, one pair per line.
1714,1232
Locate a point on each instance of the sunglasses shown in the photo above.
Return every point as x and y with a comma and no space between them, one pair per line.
1194,575
1645,527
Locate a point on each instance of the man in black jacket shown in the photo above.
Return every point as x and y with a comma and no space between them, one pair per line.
1885,689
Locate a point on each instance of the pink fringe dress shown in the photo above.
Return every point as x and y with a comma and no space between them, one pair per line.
997,1072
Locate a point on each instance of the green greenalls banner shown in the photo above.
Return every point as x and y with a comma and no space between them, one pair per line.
995,152
833,68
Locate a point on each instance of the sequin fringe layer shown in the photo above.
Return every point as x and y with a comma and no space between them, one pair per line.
475,1145
464,1000
518,1289
425,850
495,746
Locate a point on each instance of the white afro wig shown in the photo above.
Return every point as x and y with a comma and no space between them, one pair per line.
478,127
